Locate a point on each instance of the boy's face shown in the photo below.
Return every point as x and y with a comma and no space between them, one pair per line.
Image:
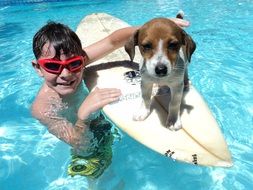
64,83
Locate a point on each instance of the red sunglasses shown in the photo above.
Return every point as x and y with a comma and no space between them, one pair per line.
73,64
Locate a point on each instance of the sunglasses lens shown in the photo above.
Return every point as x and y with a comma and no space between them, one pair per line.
74,65
52,66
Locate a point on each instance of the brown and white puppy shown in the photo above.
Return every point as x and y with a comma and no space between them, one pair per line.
166,50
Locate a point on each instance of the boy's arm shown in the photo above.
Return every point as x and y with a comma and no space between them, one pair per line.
76,135
59,126
107,45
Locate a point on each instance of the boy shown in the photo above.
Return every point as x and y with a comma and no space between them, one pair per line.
63,103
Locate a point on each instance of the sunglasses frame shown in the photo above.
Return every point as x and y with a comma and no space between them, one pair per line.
62,64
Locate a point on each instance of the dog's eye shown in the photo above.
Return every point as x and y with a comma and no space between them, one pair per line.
172,46
147,47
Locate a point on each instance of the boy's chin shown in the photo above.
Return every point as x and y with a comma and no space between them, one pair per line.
64,91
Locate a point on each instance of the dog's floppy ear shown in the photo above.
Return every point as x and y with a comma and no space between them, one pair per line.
130,45
190,45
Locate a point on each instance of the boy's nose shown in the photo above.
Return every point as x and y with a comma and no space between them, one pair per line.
65,73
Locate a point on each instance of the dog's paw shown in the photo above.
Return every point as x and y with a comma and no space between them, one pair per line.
174,125
141,114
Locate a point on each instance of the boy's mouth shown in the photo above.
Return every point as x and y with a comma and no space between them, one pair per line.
66,83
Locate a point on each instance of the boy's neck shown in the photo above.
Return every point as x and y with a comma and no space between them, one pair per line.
80,92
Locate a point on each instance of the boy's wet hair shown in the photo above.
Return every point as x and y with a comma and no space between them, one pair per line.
60,36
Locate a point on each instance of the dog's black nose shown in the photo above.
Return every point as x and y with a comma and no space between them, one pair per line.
161,70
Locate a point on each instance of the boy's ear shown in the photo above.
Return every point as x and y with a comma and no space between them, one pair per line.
36,66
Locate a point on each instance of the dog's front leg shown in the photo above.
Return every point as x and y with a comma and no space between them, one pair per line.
173,120
143,112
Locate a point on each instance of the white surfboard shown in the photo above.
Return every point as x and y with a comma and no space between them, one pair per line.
200,141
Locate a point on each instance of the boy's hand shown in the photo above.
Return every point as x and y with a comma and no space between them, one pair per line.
96,100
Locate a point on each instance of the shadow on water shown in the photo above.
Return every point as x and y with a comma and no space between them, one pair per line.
9,30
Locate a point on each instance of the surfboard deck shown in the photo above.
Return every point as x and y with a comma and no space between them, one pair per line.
199,142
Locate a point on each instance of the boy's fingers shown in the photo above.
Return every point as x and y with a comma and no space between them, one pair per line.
111,91
109,100
110,96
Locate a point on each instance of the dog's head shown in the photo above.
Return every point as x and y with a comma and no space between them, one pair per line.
160,41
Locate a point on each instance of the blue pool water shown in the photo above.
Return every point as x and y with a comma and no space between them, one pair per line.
221,69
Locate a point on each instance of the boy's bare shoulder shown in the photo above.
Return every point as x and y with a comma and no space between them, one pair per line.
41,105
39,108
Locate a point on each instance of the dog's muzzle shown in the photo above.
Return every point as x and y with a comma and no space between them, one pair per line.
161,70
